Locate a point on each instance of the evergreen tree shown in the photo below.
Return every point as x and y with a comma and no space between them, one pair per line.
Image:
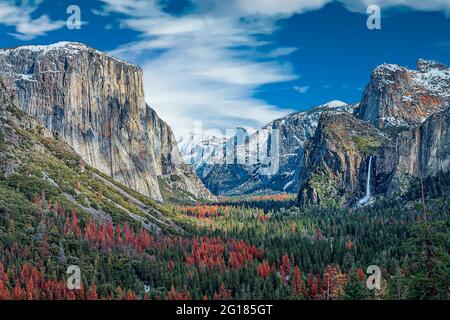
355,289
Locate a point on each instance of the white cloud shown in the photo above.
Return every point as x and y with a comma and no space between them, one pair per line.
281,52
241,73
302,89
198,75
271,7
289,7
420,5
283,8
192,68
20,17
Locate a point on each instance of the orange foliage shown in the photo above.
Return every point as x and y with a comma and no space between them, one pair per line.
333,283
297,287
264,269
173,294
207,253
223,293
204,211
274,197
349,244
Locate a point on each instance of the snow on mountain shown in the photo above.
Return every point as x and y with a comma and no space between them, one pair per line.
65,48
196,150
433,76
402,98
395,97
96,104
249,173
399,133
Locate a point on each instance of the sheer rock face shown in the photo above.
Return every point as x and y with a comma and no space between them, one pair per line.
399,97
96,104
410,110
335,161
421,152
11,119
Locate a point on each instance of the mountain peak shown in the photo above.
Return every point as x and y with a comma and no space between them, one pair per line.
334,104
424,65
400,97
96,104
63,47
387,69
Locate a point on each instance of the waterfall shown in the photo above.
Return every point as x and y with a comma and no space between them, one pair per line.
366,198
368,178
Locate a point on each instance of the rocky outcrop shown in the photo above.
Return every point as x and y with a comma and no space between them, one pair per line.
96,104
33,163
335,162
397,97
423,151
400,128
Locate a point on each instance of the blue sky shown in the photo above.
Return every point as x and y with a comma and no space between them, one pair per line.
241,62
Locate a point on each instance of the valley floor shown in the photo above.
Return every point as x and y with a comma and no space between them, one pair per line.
247,248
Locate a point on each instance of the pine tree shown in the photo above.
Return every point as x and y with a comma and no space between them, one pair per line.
430,260
355,289
296,282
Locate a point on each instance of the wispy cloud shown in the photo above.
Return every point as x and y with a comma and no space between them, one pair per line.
208,63
444,45
420,5
198,74
280,9
20,17
289,7
302,89
281,52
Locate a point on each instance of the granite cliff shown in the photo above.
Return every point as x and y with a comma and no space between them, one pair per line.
96,104
400,130
335,161
399,97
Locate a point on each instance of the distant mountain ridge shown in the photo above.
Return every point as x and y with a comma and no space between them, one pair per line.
235,179
399,125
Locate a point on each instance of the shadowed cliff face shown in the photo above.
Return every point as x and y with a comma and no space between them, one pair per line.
336,161
410,110
334,168
408,105
420,152
33,162
96,104
399,97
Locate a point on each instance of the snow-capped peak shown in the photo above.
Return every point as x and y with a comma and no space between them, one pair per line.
63,45
69,48
390,67
424,65
333,104
433,76
196,149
